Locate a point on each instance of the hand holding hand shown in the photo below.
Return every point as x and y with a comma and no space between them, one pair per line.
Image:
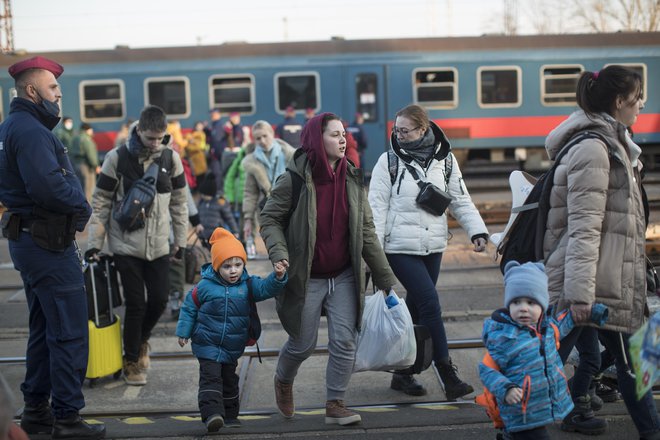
280,269
92,254
183,341
581,312
480,244
513,396
199,228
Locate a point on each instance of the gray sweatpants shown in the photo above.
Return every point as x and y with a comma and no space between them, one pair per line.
338,297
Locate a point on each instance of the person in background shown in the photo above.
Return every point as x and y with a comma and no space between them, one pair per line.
122,134
215,138
594,242
525,373
85,158
414,239
214,211
351,147
179,144
262,167
42,194
289,129
323,242
235,185
142,256
356,129
216,316
65,132
195,151
309,114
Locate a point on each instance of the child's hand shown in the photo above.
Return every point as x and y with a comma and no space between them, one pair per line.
183,341
514,395
280,269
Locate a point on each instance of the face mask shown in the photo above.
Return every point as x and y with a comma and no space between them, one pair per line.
51,107
68,125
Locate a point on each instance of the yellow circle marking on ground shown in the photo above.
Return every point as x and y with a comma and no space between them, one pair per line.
435,406
313,412
137,421
377,409
187,418
93,421
253,417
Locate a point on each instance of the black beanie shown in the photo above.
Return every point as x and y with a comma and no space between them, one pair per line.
207,187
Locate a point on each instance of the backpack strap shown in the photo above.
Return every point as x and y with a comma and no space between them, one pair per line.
556,330
392,165
487,399
194,297
449,165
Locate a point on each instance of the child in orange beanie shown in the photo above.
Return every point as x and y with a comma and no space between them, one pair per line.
216,316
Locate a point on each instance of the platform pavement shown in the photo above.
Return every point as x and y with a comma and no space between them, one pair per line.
172,387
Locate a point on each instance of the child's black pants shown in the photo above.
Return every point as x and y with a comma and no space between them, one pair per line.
218,389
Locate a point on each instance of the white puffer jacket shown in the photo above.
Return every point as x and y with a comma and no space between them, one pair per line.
402,226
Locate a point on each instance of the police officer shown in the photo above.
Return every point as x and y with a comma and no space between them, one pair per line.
46,206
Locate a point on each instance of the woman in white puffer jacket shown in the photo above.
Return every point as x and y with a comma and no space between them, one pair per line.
414,239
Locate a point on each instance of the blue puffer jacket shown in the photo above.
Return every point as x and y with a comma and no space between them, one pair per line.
218,329
520,352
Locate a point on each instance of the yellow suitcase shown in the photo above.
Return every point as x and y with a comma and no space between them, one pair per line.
105,351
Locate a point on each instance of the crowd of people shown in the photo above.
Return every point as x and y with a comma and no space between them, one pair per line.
295,186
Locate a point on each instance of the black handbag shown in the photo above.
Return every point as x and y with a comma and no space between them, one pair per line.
430,198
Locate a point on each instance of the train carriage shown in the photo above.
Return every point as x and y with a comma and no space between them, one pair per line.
491,94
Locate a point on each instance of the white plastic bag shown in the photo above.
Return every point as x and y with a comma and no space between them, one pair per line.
387,339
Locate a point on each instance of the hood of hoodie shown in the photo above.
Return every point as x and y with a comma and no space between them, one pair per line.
579,121
312,144
135,146
442,146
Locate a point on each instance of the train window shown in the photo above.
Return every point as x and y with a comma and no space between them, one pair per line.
172,94
559,83
232,93
639,68
436,88
298,89
102,100
366,85
499,86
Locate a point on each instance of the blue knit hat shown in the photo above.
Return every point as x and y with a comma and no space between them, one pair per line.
526,280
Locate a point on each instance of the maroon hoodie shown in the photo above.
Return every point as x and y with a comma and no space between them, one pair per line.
331,254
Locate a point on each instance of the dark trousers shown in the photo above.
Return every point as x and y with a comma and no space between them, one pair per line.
540,433
142,312
419,274
585,340
57,348
218,389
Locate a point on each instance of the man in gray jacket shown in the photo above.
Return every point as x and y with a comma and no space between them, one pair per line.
142,256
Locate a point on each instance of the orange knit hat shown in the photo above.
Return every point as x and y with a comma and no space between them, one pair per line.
224,246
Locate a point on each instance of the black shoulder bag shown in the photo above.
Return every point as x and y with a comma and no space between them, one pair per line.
430,198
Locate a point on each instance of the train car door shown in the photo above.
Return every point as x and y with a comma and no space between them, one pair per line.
366,96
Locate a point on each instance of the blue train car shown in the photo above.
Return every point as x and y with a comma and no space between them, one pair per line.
490,93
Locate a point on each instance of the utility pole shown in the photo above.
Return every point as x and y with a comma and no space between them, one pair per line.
6,28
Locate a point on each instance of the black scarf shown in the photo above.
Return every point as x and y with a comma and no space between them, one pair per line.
422,149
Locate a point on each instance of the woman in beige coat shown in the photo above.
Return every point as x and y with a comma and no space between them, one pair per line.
594,241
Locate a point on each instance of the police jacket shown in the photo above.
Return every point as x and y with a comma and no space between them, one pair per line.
218,328
169,207
402,226
34,167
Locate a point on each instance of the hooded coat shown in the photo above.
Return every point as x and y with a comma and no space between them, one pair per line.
594,244
402,226
292,236
218,329
169,209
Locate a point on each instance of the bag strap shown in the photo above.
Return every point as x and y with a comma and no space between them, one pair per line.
194,297
413,173
392,165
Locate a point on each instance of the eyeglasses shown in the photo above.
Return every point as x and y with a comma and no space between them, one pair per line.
403,131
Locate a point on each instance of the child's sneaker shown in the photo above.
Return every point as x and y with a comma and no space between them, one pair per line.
233,423
214,423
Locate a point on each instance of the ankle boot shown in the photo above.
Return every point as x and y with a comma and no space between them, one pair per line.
37,419
582,418
454,386
407,384
74,427
596,401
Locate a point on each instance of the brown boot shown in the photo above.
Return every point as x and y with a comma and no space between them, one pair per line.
133,375
336,413
144,362
284,398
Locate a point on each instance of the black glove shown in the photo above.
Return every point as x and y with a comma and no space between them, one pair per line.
92,254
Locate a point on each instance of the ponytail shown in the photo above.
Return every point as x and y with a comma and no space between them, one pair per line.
597,91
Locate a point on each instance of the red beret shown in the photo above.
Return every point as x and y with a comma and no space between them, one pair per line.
36,63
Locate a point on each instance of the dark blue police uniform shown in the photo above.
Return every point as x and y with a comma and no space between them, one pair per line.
35,172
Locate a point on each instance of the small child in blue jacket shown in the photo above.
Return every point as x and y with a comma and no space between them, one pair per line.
215,316
528,379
